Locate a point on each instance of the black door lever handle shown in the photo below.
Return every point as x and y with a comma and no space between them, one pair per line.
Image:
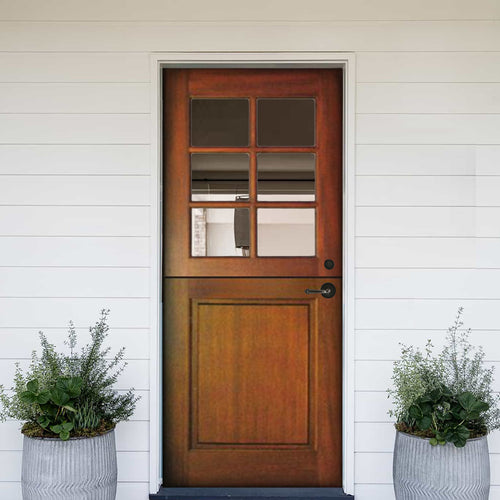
327,290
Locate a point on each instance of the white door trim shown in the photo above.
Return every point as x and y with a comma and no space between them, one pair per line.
161,60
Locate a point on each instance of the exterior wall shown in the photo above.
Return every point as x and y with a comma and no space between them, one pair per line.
75,172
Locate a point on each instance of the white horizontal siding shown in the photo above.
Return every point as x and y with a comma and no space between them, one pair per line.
74,190
75,182
368,342
11,466
11,489
73,221
18,343
373,468
375,491
132,491
427,252
62,67
461,191
428,129
133,466
75,224
428,221
372,406
74,98
48,159
429,67
17,251
428,283
450,160
427,314
226,10
420,98
360,36
74,282
44,312
374,437
74,129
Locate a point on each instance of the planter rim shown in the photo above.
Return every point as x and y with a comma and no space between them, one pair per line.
428,439
76,438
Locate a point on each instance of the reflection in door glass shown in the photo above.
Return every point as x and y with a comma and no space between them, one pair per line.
219,176
219,122
286,232
220,232
286,122
286,176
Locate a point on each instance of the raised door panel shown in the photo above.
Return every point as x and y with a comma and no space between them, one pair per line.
252,383
250,372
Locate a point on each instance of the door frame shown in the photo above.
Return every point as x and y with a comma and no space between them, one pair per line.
162,60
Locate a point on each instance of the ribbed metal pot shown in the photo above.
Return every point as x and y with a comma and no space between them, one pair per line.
422,471
77,469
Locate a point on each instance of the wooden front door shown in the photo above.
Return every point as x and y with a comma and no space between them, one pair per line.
252,277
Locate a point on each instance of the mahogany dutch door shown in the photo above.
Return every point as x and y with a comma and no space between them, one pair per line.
252,277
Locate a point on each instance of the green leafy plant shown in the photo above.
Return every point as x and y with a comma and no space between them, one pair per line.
56,404
65,395
450,418
449,397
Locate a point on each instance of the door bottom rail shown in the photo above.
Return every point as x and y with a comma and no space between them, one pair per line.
250,494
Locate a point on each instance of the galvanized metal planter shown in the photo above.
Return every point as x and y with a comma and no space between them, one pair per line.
422,471
77,469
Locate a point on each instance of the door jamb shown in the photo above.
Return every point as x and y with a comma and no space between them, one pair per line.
344,60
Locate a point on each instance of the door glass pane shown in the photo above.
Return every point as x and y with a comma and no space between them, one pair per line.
220,232
219,176
219,122
286,176
286,122
286,232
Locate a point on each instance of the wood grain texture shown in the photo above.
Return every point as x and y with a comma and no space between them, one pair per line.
252,366
251,371
190,463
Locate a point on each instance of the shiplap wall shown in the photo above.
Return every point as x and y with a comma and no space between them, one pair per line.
75,181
